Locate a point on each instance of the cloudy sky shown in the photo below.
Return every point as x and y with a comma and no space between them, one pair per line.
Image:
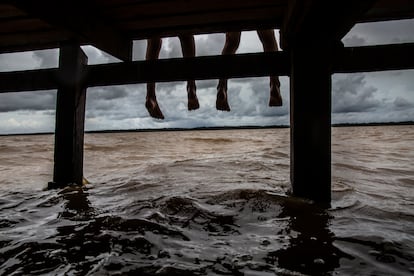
363,97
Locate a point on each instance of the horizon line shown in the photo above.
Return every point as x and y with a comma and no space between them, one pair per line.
213,128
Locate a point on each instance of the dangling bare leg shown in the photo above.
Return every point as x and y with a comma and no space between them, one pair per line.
153,51
267,37
230,47
188,49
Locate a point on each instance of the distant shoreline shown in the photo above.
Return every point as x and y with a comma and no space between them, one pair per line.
405,123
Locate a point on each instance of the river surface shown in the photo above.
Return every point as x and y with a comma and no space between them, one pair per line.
208,203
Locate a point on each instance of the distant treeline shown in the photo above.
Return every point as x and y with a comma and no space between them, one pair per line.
189,129
222,128
406,123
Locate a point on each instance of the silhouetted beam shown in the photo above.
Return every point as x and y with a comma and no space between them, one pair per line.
30,80
374,58
347,60
33,40
218,27
384,10
143,19
80,18
198,23
207,67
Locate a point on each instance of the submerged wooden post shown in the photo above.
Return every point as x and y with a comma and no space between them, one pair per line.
310,120
70,116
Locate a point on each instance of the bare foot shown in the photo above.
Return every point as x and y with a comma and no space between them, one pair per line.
275,97
192,98
221,102
193,103
153,108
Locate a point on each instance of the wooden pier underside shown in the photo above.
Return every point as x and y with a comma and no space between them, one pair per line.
310,32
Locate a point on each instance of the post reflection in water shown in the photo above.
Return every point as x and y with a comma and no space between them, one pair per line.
79,240
311,250
77,205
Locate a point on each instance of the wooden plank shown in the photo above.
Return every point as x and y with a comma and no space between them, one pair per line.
384,10
80,18
374,58
118,3
95,22
33,40
9,11
30,80
204,18
207,67
160,9
23,24
70,116
220,27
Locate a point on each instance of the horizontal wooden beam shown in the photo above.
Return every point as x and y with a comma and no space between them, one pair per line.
125,10
45,39
346,60
180,69
374,58
213,21
163,70
384,10
201,28
30,80
143,19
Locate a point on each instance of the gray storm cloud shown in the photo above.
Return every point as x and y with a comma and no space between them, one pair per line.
351,94
41,100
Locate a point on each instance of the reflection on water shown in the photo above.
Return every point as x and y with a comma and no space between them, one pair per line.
221,210
311,249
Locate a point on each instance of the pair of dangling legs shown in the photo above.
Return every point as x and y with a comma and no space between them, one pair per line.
231,45
153,51
267,37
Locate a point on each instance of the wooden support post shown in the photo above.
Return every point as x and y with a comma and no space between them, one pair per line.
70,116
310,120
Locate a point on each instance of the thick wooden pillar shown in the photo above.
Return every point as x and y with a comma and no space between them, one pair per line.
70,116
310,120
310,31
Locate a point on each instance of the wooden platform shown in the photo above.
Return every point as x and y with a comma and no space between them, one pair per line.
310,33
112,25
